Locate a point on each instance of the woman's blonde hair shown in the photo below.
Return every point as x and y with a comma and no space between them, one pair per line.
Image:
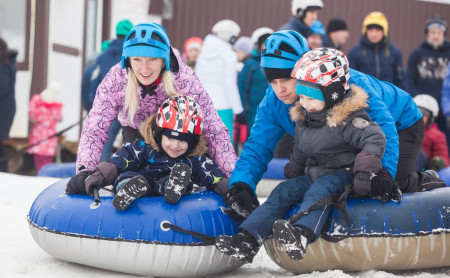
131,96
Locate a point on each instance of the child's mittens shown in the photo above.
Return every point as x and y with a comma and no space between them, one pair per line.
105,173
221,187
366,165
76,183
290,173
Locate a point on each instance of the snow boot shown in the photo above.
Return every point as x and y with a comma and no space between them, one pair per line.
431,181
242,246
134,188
295,239
179,179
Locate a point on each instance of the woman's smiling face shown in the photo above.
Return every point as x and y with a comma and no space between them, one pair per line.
146,69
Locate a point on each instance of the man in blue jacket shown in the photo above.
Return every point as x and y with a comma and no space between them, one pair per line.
392,108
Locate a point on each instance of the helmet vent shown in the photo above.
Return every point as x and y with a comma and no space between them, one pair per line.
157,37
131,36
287,48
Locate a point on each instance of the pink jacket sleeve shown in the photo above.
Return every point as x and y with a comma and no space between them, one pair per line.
217,135
107,103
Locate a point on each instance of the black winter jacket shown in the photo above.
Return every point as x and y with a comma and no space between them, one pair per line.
330,140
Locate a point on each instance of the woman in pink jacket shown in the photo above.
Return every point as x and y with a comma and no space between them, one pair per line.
148,74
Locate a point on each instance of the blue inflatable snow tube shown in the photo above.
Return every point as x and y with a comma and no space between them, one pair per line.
58,170
444,174
275,169
76,229
73,214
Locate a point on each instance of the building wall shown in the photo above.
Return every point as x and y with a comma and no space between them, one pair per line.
406,17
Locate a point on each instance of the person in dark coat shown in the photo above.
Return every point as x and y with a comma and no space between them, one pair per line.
375,55
427,66
336,143
337,33
304,13
167,161
7,97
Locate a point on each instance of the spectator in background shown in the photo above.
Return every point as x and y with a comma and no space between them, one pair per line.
216,68
337,33
87,98
243,48
44,111
103,64
434,142
7,97
304,13
191,50
427,66
317,35
445,103
252,83
375,55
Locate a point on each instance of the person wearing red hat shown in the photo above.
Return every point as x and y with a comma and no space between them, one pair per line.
191,50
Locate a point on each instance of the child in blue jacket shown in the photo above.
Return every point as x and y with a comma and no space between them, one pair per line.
167,162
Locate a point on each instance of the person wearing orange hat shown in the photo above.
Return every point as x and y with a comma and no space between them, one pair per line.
191,50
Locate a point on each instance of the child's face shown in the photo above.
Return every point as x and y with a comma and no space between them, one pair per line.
146,69
314,41
173,147
311,104
374,35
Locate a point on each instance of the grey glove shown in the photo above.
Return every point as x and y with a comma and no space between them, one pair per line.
104,174
448,122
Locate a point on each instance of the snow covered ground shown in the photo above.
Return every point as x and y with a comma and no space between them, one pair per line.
21,257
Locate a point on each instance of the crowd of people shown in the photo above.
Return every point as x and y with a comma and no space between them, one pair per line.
217,114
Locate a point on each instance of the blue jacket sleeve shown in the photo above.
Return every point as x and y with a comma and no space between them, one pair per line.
265,134
379,113
445,102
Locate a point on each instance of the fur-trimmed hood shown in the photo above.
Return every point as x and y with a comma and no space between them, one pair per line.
149,125
355,100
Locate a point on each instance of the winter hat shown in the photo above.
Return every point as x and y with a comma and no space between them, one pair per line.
187,137
51,93
244,44
336,24
323,74
436,22
105,44
272,74
123,27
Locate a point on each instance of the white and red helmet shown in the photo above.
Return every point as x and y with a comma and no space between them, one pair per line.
181,114
326,67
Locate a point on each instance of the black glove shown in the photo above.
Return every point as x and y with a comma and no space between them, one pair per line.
76,183
384,187
240,119
241,201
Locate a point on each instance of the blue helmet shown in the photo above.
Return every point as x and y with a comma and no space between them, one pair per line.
275,54
146,40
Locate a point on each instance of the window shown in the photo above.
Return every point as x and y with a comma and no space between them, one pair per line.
15,28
